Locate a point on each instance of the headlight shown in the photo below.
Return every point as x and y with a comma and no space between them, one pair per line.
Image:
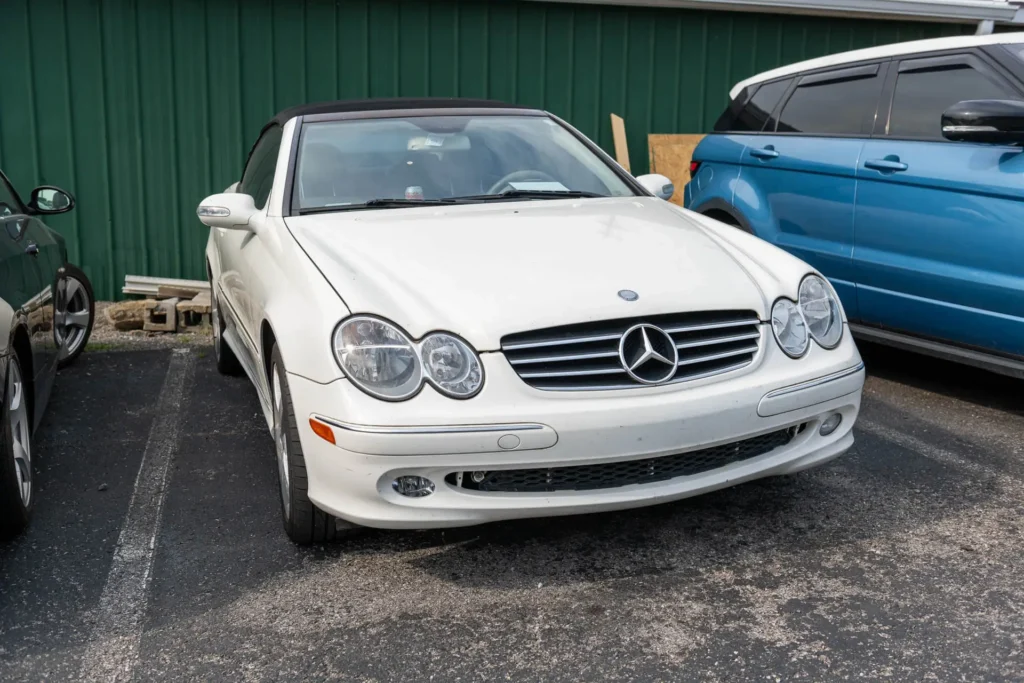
821,312
451,365
378,358
382,361
789,328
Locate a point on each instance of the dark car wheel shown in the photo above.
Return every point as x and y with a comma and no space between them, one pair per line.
227,362
15,454
74,314
304,522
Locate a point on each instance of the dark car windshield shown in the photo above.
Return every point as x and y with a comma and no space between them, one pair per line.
346,164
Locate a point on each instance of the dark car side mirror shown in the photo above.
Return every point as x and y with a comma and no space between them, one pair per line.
47,199
999,121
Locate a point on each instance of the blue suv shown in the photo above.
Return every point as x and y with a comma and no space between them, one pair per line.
896,171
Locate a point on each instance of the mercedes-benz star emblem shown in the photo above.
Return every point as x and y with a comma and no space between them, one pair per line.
648,354
628,295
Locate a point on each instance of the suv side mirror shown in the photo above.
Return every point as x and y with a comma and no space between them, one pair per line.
1000,121
230,211
47,199
658,185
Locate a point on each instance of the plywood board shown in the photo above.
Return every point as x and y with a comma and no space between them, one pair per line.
619,136
670,156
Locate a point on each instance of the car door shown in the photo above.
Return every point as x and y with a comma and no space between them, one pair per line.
938,224
26,289
805,168
236,247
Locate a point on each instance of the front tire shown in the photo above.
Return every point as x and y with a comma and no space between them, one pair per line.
74,315
16,497
304,522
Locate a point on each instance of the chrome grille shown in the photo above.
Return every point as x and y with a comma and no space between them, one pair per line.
585,357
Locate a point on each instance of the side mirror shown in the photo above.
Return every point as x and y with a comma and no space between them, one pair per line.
229,211
1000,121
658,185
47,199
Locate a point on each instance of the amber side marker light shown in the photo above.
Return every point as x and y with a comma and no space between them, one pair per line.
322,430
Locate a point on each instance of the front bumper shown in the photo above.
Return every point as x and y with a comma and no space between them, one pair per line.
434,436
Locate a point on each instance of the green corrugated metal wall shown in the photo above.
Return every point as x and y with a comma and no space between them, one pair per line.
141,108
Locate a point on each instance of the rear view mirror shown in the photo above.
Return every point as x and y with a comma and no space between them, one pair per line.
658,185
50,200
229,211
999,121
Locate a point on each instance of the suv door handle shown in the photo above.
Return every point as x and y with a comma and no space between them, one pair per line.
32,249
890,164
767,153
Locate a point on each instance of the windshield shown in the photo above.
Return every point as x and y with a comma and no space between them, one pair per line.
444,159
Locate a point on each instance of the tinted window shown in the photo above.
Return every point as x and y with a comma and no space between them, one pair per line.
259,172
761,105
832,107
921,97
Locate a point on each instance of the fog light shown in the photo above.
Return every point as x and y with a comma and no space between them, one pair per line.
412,486
830,424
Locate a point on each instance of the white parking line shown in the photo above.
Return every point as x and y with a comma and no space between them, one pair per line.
113,647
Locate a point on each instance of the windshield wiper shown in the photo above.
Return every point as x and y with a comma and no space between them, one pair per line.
532,194
377,204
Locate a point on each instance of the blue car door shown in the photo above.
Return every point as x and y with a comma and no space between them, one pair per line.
799,177
939,243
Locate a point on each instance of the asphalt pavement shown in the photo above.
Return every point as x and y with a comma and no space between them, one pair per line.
903,560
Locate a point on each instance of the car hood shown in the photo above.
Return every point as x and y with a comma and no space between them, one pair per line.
486,270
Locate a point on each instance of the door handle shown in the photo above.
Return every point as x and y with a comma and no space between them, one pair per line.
767,153
890,164
32,249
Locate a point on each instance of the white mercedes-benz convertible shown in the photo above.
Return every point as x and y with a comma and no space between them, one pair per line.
457,311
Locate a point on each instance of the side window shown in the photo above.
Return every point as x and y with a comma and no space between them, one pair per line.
922,94
841,102
759,110
258,178
748,114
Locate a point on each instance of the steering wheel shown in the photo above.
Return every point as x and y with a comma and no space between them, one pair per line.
520,177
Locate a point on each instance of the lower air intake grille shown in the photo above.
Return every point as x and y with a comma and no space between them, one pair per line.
593,356
615,474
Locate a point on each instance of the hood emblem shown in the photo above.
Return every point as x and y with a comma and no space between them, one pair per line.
628,295
648,354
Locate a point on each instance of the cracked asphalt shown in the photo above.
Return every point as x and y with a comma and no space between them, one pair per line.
903,560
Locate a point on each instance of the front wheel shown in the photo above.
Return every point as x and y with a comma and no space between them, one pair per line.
15,454
304,522
74,312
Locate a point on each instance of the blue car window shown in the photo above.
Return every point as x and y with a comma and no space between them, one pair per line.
922,95
758,111
843,106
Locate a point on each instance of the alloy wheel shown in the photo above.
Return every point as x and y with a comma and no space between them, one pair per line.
71,315
281,441
21,447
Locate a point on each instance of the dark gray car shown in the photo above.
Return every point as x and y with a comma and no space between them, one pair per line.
46,315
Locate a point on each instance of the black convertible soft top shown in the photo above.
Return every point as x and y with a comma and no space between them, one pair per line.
389,104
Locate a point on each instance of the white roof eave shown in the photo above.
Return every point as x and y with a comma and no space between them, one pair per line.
922,10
